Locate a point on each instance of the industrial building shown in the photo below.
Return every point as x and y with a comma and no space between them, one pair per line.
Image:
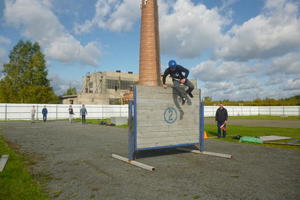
107,88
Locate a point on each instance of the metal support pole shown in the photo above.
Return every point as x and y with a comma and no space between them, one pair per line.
132,132
202,126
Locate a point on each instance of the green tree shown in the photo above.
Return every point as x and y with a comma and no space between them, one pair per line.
70,91
25,76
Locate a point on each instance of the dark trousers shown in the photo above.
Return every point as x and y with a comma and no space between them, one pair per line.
180,90
44,118
83,119
219,129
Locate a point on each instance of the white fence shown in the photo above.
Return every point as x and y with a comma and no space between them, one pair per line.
60,111
210,111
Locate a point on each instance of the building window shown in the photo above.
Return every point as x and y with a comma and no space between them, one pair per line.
91,85
126,85
119,84
112,84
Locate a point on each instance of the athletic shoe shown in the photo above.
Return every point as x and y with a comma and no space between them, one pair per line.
190,94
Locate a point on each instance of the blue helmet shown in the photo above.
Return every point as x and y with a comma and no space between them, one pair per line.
172,63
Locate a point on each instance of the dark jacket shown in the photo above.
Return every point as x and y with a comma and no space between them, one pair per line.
71,112
221,115
44,111
176,74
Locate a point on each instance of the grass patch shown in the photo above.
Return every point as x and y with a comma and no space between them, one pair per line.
265,117
97,121
16,182
233,130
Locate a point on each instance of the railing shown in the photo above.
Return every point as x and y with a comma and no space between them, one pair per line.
60,111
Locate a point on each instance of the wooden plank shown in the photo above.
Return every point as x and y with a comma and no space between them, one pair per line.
281,143
206,153
135,163
3,161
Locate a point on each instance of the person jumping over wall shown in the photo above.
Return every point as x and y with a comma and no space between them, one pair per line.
176,72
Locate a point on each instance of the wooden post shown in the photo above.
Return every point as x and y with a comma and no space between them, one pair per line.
3,161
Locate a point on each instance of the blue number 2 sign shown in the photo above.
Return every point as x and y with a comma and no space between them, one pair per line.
170,115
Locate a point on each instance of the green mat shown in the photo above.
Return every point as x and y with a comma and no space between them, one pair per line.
251,140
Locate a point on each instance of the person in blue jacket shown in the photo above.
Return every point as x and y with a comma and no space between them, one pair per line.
179,76
44,112
83,113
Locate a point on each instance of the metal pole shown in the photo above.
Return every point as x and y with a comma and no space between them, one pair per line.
202,126
132,131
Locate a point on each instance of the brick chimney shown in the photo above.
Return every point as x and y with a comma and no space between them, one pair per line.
149,45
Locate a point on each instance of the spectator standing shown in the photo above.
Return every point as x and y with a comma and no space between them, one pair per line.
71,113
45,113
221,119
83,113
33,111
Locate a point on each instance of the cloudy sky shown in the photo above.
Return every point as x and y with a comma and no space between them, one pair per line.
236,49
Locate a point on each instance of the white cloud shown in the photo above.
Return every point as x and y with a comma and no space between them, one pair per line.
245,80
186,29
39,23
114,15
292,84
288,64
220,71
61,85
4,40
274,32
189,29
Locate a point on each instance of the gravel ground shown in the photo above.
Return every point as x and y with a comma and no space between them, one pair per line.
77,160
259,122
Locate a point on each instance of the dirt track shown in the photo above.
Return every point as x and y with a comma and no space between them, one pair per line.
78,158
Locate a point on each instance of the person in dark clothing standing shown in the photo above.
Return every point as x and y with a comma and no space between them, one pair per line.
176,72
221,119
83,113
44,112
